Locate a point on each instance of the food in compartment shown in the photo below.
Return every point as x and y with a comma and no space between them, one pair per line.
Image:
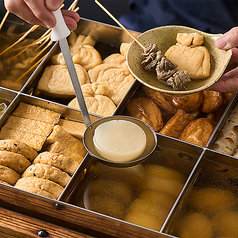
146,110
127,193
55,81
18,147
3,107
46,171
195,225
176,125
105,81
97,99
8,175
179,116
37,154
198,131
227,140
43,184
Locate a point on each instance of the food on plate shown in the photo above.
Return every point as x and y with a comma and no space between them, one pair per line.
46,171
15,161
210,200
146,110
198,132
188,39
195,225
18,147
212,101
56,81
8,175
96,99
189,103
176,125
36,113
57,160
117,78
76,129
194,58
44,184
162,100
227,138
153,59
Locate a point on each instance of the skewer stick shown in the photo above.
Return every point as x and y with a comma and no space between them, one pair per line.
4,19
73,5
104,9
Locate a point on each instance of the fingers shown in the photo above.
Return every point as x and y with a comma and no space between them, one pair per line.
228,40
40,12
227,83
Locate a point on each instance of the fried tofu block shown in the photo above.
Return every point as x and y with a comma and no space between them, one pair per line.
32,140
60,148
62,136
36,113
29,125
74,128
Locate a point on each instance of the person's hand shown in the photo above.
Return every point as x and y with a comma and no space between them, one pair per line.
229,80
39,12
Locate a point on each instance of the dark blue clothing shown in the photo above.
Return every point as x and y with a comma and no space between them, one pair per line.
212,16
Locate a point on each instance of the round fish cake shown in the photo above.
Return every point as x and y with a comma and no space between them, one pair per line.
57,160
18,147
46,185
46,171
8,175
35,190
14,161
195,225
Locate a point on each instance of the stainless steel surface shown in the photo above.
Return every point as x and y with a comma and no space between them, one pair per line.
75,81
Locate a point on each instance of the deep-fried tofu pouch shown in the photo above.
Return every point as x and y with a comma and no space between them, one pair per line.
188,39
194,60
198,132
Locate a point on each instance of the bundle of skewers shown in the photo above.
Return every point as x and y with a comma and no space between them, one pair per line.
24,54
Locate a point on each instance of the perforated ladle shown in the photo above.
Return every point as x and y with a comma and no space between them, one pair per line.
59,33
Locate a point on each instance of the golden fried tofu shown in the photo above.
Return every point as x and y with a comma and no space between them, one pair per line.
188,39
36,113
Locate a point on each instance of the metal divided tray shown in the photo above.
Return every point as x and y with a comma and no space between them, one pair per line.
198,166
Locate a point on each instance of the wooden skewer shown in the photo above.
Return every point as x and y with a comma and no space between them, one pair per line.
4,19
104,9
73,5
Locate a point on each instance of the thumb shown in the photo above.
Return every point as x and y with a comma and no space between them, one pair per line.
53,5
228,40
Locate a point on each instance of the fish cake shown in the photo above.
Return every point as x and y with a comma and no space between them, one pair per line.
198,132
176,125
29,125
62,136
44,184
55,81
194,60
32,140
60,148
117,78
76,129
212,101
15,161
57,160
18,147
146,110
36,113
8,175
47,172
